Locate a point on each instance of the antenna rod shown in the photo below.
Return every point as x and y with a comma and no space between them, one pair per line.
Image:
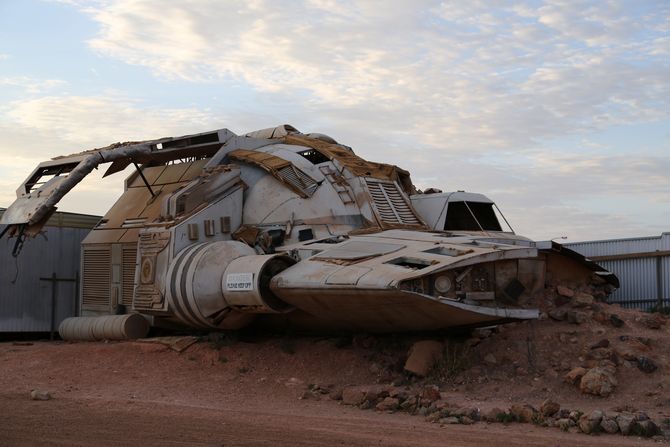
144,179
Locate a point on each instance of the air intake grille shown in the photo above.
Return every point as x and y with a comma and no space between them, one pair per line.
96,279
298,179
128,275
390,204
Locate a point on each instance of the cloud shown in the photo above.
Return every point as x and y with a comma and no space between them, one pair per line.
99,120
31,85
461,75
582,197
467,95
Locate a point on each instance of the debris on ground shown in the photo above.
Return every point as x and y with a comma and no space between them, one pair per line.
40,395
423,356
178,344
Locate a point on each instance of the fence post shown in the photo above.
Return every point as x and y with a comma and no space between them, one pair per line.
54,290
659,283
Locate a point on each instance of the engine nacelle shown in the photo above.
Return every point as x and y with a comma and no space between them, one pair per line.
223,284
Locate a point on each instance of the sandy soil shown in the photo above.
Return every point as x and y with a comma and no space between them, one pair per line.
234,393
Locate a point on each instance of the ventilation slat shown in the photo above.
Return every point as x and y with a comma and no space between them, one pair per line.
128,275
96,278
390,204
298,179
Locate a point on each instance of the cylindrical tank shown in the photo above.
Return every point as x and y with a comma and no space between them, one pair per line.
110,327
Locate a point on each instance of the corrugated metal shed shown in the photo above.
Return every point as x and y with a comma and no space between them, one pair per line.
25,299
642,265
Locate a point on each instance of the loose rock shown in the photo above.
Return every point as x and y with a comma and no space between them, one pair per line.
598,381
353,396
577,317
565,423
523,412
616,321
430,393
388,404
625,421
604,343
558,314
646,364
565,291
549,408
471,413
40,395
582,300
450,420
575,375
467,421
494,414
601,354
647,428
590,423
423,355
609,425
650,321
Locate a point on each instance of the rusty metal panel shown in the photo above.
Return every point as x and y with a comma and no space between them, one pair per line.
636,276
665,279
104,236
72,220
130,204
194,170
151,174
622,246
172,174
25,300
644,273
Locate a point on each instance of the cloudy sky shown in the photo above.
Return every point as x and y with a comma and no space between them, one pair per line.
558,110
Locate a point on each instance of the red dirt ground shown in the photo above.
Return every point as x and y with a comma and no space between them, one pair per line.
248,394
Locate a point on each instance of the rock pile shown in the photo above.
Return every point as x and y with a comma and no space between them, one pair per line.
583,347
435,406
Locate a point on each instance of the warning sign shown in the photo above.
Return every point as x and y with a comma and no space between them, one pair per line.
240,281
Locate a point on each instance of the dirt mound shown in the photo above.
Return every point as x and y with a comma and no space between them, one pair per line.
583,355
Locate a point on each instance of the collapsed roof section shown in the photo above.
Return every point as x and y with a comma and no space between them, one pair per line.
38,196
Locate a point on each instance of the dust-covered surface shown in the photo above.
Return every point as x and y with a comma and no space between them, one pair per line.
279,390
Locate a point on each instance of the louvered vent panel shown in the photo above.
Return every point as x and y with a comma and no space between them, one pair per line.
128,275
96,279
297,178
390,203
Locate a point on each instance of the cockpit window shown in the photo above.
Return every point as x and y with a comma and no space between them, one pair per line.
314,156
471,216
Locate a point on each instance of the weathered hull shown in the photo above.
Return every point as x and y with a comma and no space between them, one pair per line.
216,229
389,311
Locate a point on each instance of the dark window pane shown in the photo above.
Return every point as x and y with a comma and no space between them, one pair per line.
460,218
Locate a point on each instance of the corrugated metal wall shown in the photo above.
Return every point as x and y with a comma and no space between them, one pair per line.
25,300
642,265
